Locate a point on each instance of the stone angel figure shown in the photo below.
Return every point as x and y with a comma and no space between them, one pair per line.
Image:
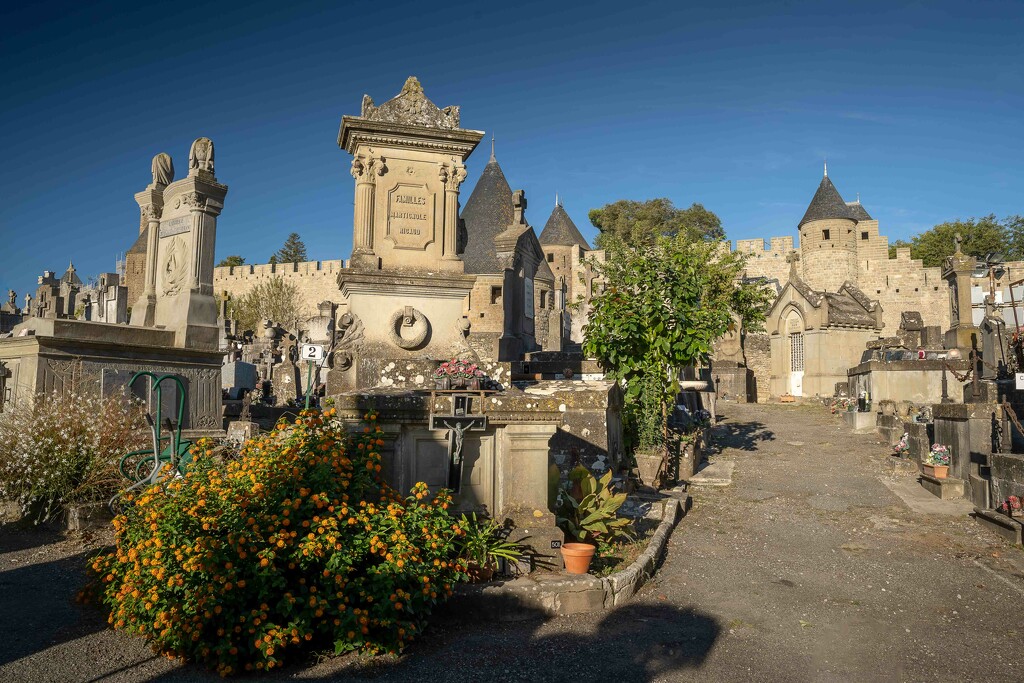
200,157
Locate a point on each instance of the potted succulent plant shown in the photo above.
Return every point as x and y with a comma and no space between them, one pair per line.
937,462
485,547
588,514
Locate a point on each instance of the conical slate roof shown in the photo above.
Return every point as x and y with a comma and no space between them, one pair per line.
858,211
487,213
827,203
560,230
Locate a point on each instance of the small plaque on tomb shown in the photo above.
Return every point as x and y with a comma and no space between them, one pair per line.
1020,381
175,226
410,216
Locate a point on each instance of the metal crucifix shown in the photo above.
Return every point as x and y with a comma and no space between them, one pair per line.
457,424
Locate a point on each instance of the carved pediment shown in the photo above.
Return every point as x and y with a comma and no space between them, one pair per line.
412,108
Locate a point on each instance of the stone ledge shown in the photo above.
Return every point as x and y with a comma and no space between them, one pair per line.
564,594
1011,529
947,488
901,466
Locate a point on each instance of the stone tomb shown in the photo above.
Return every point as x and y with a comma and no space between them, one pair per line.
174,324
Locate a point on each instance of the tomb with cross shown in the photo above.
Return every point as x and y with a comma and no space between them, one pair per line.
460,421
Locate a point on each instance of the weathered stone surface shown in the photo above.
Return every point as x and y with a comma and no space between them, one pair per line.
948,488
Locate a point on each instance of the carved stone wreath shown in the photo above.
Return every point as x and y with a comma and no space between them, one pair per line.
413,322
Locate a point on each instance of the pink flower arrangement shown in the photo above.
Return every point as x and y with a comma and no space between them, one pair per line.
1012,506
455,368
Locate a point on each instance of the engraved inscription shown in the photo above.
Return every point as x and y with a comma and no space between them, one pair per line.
410,216
175,226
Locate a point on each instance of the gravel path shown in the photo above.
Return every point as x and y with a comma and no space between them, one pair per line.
812,566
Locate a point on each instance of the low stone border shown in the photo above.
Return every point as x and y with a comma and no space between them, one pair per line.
1011,529
551,594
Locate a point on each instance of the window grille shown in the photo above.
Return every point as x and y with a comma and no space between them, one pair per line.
796,352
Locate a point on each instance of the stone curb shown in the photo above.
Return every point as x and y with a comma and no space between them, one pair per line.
563,594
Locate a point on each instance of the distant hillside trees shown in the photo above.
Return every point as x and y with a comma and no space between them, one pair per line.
981,236
635,222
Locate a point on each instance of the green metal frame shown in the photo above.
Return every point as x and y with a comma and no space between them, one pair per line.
143,467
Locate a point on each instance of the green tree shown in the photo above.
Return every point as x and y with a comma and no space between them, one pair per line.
231,261
293,251
980,237
636,222
273,299
664,305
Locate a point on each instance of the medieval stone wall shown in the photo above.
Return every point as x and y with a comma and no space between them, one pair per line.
757,348
315,280
767,262
904,284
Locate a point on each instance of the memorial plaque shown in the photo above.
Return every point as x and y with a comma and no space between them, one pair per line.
410,216
175,226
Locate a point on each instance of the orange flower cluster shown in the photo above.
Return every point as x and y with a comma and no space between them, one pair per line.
297,544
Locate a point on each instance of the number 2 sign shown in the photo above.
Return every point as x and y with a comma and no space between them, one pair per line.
312,352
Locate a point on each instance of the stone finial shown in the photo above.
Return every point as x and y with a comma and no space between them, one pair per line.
200,157
411,107
163,170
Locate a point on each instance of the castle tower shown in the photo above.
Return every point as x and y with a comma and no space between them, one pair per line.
565,248
828,240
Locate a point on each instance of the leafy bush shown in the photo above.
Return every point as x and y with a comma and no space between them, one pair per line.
588,509
63,449
297,544
275,299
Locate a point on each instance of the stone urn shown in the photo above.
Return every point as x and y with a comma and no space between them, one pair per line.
650,463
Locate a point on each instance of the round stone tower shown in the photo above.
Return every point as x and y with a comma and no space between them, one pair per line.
828,240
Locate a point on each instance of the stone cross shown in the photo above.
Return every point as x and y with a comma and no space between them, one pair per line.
792,259
457,424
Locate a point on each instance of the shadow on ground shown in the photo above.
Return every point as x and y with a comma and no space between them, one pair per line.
39,611
743,436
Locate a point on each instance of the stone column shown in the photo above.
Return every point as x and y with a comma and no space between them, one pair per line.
365,170
452,175
151,206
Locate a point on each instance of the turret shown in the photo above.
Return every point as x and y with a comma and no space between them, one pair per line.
828,240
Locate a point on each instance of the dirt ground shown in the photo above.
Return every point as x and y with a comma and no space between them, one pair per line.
813,565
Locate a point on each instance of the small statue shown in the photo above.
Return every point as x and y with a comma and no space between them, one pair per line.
958,241
163,170
200,157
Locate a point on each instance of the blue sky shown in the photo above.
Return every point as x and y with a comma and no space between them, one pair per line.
919,106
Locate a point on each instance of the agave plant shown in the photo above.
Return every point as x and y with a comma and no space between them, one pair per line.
484,543
589,509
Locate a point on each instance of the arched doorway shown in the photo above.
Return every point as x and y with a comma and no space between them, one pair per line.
795,335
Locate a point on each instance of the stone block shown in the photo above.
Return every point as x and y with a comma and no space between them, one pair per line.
239,431
860,422
901,467
944,489
573,602
238,377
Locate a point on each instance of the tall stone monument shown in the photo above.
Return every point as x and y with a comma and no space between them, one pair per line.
182,229
173,326
962,334
406,286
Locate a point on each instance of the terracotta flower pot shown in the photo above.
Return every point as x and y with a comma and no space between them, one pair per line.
937,471
577,557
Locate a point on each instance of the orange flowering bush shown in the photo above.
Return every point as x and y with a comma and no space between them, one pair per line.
297,544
